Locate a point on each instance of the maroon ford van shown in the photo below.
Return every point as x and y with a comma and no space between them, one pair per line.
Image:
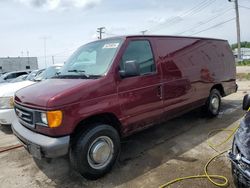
114,87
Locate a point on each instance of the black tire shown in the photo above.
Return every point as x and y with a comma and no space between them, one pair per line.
81,154
246,102
211,109
237,177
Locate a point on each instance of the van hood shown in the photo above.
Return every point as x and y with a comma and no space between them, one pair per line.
9,89
53,93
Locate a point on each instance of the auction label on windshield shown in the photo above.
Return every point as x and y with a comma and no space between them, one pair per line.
111,45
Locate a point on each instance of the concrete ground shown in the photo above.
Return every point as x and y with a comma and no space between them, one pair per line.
243,69
150,158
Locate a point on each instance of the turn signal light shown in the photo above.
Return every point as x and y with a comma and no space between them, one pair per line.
54,118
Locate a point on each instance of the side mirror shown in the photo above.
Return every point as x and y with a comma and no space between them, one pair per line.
131,68
246,102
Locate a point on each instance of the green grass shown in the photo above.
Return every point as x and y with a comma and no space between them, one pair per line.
244,63
243,76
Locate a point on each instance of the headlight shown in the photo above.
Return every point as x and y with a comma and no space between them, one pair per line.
52,119
44,118
6,102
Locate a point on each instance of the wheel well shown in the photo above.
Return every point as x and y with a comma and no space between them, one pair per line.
106,118
220,88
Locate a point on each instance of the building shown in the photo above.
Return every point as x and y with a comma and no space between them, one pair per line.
245,53
9,64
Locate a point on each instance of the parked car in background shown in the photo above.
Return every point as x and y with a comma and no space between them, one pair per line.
49,72
114,87
7,77
1,73
7,91
19,78
34,73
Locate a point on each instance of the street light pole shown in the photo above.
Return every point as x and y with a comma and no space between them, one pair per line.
45,50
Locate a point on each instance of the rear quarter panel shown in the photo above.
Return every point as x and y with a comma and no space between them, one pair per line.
191,67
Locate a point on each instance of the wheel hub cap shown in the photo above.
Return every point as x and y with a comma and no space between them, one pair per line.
215,103
100,152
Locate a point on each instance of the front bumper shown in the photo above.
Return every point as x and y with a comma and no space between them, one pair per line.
242,166
39,145
7,116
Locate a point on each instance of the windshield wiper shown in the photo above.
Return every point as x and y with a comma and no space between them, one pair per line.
79,71
69,76
82,74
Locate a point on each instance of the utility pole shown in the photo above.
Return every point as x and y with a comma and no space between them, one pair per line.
28,56
53,60
143,32
237,26
100,31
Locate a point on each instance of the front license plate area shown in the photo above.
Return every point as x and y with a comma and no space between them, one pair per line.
35,151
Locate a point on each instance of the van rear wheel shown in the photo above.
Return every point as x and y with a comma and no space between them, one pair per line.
213,103
95,151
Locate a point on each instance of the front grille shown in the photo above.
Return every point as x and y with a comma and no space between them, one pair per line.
25,115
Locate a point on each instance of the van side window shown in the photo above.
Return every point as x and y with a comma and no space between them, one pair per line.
139,51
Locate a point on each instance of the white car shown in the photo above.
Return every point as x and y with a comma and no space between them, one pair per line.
7,92
7,77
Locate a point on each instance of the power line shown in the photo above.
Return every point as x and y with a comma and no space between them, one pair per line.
201,8
244,7
110,34
205,21
66,51
174,20
214,26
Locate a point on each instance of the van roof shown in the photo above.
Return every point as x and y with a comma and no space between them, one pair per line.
163,36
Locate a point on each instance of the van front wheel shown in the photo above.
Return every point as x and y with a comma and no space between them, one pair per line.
95,151
213,103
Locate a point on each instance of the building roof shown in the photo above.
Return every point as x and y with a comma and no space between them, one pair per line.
16,58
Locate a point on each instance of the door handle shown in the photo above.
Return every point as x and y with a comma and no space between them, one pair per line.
159,91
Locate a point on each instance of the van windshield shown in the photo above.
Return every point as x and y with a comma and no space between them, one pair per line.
92,59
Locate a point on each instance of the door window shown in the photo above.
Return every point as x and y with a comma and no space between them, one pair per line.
20,73
10,76
141,52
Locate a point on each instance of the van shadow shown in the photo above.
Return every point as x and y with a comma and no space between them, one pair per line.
148,149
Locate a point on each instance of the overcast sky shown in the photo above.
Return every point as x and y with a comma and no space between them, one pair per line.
67,24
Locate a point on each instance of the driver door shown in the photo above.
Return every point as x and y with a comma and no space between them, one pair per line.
140,96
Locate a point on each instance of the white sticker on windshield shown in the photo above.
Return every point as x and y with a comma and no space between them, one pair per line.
111,45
